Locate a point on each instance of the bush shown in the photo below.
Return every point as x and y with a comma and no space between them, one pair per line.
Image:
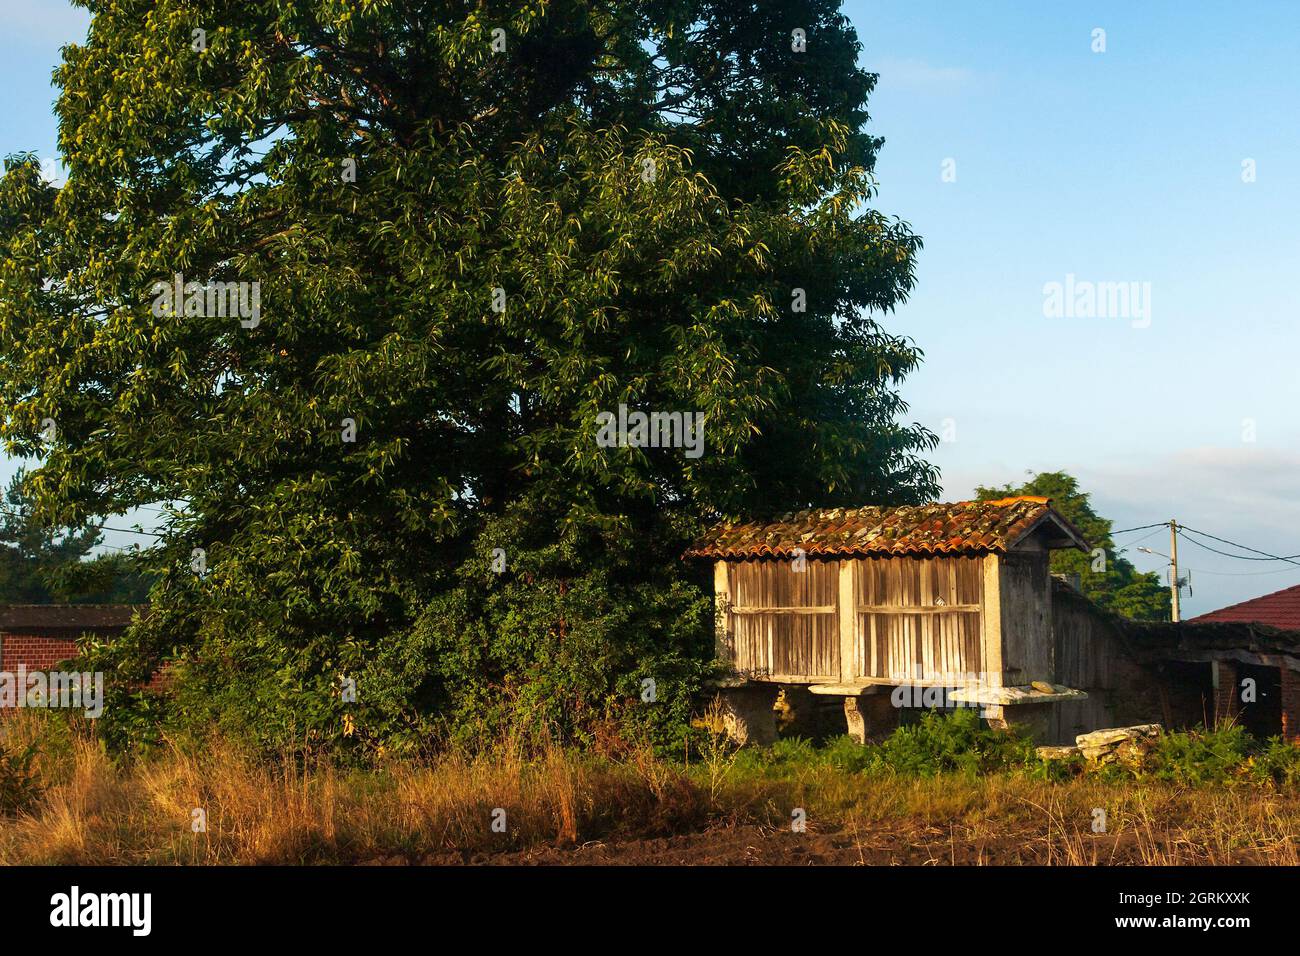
1203,757
953,743
1197,756
957,743
939,743
781,759
847,755
559,646
1277,761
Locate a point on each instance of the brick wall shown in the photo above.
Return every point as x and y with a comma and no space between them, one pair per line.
1227,696
35,651
1290,704
43,651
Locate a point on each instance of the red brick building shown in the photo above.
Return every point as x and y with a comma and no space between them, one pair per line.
1280,610
39,636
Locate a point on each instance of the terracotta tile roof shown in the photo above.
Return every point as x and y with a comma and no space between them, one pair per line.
1280,609
71,617
965,527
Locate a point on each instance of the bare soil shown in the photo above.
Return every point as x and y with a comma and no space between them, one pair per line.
897,845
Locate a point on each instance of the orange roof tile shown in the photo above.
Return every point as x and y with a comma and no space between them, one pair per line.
964,527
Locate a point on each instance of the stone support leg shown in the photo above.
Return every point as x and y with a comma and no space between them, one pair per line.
747,714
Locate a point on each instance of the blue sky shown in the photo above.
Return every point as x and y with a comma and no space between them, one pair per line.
1115,166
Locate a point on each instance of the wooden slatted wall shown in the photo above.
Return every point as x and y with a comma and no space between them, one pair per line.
918,618
786,622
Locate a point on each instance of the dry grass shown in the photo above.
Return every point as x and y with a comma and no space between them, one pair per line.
257,812
442,809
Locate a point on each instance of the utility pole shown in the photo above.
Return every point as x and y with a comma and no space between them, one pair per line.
1173,568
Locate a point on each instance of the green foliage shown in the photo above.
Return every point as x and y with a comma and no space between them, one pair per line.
789,751
647,182
849,756
1118,586
1198,756
955,742
1277,761
1201,757
564,641
20,784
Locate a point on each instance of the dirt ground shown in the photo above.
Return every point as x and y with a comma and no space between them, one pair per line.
901,845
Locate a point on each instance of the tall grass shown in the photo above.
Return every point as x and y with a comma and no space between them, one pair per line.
918,794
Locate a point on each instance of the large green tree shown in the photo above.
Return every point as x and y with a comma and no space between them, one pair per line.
1109,579
475,227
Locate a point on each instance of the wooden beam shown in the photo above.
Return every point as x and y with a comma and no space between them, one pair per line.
862,685
812,679
724,645
1262,659
991,621
848,623
928,609
809,609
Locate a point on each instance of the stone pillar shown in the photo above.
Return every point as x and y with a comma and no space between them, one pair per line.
853,717
1227,695
808,715
1290,704
747,714
869,716
1034,721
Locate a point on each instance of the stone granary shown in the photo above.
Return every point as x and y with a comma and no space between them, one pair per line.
945,605
855,603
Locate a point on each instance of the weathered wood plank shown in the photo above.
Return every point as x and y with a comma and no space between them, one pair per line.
939,609
818,609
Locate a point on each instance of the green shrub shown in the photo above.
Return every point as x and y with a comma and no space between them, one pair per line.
1197,756
847,755
786,755
1276,761
558,647
952,743
1203,757
957,743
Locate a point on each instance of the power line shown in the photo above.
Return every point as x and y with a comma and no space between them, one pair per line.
151,534
1158,524
1145,537
1266,556
1226,554
1239,557
1241,574
101,527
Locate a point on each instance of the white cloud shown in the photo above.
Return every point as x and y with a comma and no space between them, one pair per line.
1248,494
1247,485
917,76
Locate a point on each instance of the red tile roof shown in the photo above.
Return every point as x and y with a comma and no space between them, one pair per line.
1280,609
965,527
